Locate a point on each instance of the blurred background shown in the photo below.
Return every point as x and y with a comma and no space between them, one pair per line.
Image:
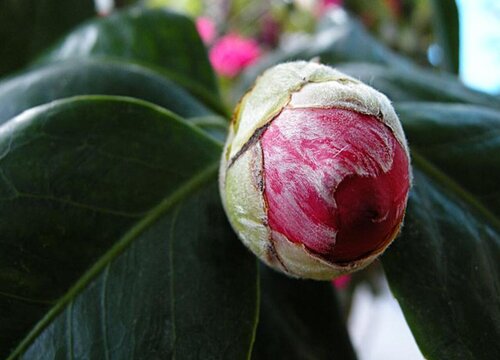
239,32
243,37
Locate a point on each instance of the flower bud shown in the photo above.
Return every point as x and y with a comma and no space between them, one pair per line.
315,173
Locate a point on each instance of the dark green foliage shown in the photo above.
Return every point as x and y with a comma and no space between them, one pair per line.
114,243
94,77
28,26
444,269
107,184
165,41
445,273
300,320
417,84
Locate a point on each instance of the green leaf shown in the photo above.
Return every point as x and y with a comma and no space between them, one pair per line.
444,269
341,37
417,84
157,38
446,29
463,141
445,272
213,125
299,320
127,250
29,26
94,77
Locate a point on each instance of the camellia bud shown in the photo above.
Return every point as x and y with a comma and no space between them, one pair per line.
315,173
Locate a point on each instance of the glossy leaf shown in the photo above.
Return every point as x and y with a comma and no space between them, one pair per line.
417,84
29,26
461,140
340,37
157,38
213,125
94,77
127,250
446,30
444,269
299,320
445,272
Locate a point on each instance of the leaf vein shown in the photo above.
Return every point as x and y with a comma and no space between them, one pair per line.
77,204
171,200
104,318
172,278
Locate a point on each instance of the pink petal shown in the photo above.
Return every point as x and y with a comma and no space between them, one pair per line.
336,181
342,281
206,29
232,53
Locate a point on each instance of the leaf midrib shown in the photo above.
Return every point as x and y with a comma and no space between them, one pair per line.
165,205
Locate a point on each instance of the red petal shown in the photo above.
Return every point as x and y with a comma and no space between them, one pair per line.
335,180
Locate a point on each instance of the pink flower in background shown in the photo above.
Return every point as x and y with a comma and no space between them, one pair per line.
342,281
232,53
329,3
325,5
206,29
